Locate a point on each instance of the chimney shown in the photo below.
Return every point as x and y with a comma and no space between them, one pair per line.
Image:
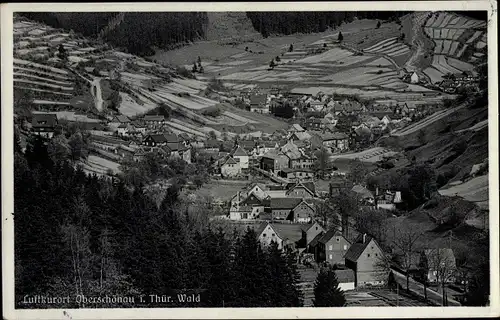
364,238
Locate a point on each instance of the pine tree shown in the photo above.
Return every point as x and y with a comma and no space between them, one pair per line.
378,24
272,64
290,49
326,289
341,37
195,68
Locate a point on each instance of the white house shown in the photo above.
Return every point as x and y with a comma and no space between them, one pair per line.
242,157
230,168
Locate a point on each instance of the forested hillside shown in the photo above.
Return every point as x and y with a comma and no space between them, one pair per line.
97,237
138,32
290,22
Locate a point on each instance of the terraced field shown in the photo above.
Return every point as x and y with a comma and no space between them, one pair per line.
456,37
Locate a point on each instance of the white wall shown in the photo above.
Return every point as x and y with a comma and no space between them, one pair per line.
346,286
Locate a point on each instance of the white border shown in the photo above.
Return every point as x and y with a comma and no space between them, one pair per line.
246,313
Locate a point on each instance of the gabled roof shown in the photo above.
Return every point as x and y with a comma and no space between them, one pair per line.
315,241
302,135
121,118
308,185
296,127
358,247
44,120
289,231
230,160
330,234
285,203
239,152
362,191
157,138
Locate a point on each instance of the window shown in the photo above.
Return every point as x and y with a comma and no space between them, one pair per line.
331,257
345,246
338,239
330,248
273,235
316,228
263,234
368,255
376,254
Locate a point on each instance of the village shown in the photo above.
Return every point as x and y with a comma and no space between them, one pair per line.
298,165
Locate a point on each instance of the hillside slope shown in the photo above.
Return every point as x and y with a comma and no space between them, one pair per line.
229,26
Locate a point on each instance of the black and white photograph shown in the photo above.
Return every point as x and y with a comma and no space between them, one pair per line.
250,159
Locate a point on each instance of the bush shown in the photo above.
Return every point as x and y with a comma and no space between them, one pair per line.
182,71
212,112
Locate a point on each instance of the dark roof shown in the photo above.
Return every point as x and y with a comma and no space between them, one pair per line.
158,138
331,233
173,146
239,152
309,185
315,241
357,248
289,231
285,203
44,120
345,275
121,118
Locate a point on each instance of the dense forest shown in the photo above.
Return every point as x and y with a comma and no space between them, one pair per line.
289,22
77,234
138,32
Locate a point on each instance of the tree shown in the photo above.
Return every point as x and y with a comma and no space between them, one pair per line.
357,171
278,59
402,37
407,242
79,146
212,135
62,53
195,68
322,161
378,25
374,223
272,64
325,210
421,184
347,204
341,37
59,148
326,289
290,48
443,264
199,61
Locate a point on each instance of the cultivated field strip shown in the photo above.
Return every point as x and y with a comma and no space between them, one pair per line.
39,66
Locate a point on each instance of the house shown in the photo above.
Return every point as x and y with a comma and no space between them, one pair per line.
414,78
296,128
346,279
339,185
314,123
364,257
240,154
292,209
272,161
388,200
230,167
125,129
299,136
296,173
301,190
185,152
44,124
155,140
118,120
440,264
258,103
291,235
331,247
334,140
154,120
363,194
